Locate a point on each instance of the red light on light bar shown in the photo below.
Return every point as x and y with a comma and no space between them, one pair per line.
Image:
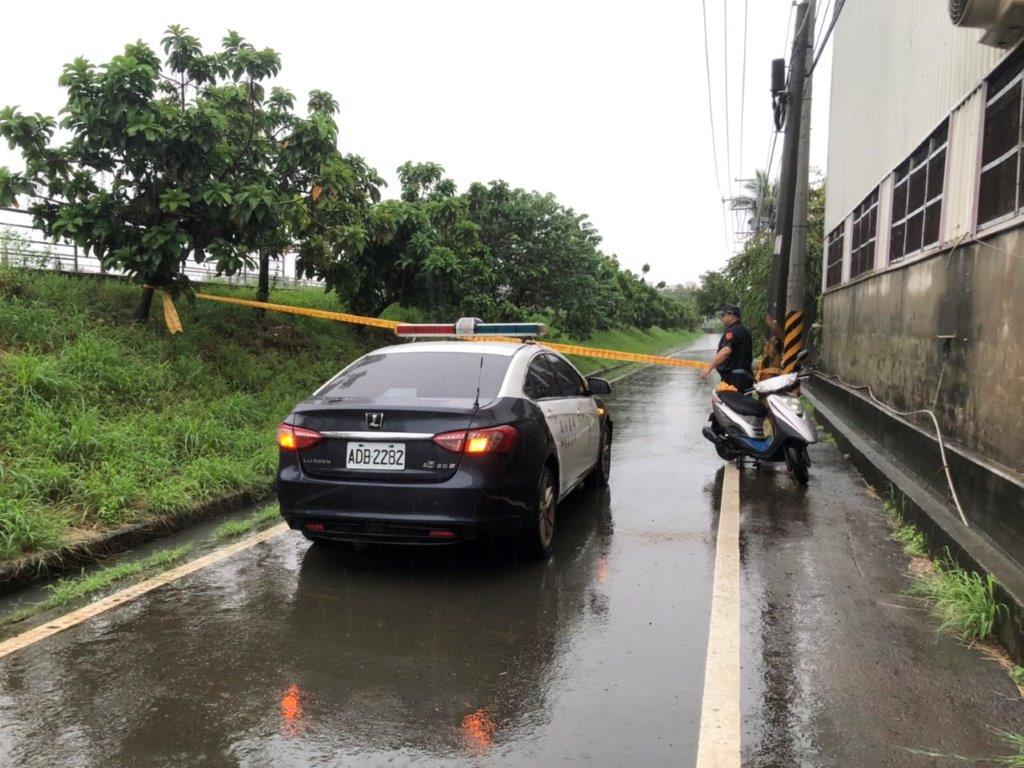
413,330
441,534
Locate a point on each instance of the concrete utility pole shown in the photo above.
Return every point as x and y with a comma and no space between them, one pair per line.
788,172
793,334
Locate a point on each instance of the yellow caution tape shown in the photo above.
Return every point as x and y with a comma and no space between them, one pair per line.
323,314
376,322
171,314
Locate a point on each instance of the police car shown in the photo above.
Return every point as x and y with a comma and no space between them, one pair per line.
443,440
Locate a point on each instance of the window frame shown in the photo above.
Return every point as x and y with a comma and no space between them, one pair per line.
903,177
553,359
1017,81
862,217
836,237
542,360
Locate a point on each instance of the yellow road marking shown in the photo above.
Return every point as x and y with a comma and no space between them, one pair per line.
719,743
128,594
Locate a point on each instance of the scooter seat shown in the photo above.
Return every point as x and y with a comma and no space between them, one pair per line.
742,404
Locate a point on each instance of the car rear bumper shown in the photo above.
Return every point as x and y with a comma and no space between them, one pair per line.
400,513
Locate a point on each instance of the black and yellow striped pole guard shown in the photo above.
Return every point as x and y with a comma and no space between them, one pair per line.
793,340
377,322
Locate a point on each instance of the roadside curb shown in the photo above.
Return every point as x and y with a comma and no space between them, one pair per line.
28,571
937,520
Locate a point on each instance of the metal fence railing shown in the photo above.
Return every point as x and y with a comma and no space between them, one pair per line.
22,245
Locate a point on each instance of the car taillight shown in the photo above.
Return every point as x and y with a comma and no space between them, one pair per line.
493,440
292,438
451,441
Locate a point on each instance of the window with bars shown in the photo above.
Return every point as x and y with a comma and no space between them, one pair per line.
865,231
834,257
918,186
999,194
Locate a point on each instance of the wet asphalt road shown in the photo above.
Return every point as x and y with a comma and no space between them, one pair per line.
288,654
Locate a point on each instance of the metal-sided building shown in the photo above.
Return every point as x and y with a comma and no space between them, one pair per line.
924,244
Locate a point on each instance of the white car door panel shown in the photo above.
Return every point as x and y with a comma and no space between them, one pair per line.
581,445
541,386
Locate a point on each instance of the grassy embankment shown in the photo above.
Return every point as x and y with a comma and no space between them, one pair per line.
103,423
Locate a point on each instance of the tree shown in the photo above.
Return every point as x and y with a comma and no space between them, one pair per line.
745,279
758,198
188,158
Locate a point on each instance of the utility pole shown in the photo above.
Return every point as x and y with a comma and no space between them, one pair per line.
788,173
793,334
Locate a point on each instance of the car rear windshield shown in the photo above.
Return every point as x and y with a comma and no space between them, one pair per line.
419,375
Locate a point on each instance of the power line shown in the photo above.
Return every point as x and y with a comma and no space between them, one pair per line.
743,83
711,120
774,134
828,32
725,68
711,109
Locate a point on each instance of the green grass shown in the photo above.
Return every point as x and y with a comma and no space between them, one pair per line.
65,591
913,541
68,590
1014,741
258,519
964,602
103,422
1017,673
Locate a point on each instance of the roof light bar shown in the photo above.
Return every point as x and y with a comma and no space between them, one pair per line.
470,326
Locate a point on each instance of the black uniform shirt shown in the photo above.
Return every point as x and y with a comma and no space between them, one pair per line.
737,338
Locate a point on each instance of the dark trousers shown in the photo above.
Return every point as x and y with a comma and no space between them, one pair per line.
742,380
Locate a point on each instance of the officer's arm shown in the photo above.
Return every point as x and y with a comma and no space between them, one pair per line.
721,357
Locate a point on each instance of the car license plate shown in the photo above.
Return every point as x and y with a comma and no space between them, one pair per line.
389,457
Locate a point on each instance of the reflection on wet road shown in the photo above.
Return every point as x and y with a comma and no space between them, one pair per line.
288,654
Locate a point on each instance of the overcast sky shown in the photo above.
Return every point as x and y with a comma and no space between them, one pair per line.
604,104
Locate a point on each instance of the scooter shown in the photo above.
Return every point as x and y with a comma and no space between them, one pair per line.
770,427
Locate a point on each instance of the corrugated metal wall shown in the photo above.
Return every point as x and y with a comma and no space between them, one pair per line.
898,68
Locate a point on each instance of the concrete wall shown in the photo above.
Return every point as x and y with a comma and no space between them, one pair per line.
898,68
881,332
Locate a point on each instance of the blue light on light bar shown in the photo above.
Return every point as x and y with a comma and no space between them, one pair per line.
510,329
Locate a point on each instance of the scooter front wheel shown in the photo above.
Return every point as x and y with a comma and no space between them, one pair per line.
799,463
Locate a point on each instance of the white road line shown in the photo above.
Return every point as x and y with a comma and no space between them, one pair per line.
719,744
128,594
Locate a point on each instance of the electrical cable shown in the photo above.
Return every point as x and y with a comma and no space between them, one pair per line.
774,135
711,109
916,412
711,120
828,32
925,411
725,70
743,84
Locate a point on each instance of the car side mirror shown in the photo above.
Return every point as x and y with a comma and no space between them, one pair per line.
598,386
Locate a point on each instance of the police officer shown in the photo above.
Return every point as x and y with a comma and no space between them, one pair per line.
735,358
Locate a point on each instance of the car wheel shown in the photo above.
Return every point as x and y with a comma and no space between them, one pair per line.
539,536
598,477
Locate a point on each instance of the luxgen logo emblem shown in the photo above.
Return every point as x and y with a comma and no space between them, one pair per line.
375,420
